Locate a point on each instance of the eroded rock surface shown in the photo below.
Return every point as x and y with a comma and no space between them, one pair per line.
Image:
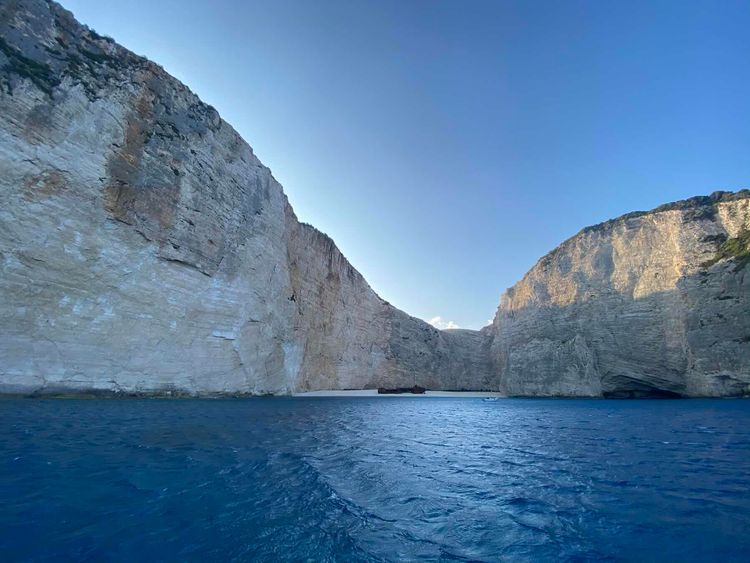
146,249
650,304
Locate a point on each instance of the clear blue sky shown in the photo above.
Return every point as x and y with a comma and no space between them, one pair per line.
446,146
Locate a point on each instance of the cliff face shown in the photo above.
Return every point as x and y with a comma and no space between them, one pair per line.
352,339
652,304
145,248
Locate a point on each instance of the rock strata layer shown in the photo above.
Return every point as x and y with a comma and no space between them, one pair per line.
145,249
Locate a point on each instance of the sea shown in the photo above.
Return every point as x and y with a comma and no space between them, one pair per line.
374,479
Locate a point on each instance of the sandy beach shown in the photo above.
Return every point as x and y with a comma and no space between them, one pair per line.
374,393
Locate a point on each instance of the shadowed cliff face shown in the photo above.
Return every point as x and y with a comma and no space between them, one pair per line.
355,340
646,305
146,249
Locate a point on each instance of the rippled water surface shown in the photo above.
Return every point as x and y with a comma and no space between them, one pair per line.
351,479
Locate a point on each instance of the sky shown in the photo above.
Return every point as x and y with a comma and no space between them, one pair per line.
447,146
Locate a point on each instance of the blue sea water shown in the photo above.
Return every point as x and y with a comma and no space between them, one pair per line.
371,479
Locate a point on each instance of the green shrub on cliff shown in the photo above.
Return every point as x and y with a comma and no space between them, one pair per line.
736,247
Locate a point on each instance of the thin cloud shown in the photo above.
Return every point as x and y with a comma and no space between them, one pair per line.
440,323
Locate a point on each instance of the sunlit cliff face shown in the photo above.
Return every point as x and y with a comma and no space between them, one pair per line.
650,304
635,257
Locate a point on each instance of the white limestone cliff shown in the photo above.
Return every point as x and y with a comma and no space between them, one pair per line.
650,304
145,249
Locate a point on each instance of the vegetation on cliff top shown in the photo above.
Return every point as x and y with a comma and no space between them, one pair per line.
736,247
